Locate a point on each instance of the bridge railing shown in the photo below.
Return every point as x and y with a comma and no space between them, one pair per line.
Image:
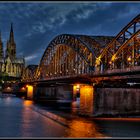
128,69
86,75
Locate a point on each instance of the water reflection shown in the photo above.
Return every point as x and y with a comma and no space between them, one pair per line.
19,119
28,103
83,128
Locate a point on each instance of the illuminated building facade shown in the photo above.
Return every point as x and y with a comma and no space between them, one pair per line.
9,63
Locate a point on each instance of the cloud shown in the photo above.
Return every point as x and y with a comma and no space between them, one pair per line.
37,23
31,57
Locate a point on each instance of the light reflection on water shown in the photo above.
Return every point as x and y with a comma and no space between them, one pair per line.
76,127
100,128
19,119
82,128
28,103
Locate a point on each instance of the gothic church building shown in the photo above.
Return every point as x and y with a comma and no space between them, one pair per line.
9,63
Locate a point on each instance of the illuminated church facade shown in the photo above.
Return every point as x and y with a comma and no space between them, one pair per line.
9,63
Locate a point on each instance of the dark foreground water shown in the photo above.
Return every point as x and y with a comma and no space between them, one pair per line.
20,118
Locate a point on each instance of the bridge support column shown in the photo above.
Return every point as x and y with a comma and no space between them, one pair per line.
29,92
86,100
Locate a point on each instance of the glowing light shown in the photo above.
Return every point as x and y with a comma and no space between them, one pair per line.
8,88
114,58
129,59
110,62
98,60
23,88
30,89
77,87
27,103
30,92
94,84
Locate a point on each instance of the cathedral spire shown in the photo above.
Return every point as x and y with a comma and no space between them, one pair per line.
11,46
1,47
11,39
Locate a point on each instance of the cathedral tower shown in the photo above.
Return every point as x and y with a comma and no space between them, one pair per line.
11,46
1,48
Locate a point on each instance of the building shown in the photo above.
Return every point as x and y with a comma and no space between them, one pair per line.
9,63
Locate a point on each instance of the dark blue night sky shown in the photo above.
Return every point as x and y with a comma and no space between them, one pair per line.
37,23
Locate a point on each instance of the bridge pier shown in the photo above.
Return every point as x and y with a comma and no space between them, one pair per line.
86,94
30,92
56,93
65,95
86,100
117,101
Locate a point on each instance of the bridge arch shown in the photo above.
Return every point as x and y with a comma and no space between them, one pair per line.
128,54
68,55
103,61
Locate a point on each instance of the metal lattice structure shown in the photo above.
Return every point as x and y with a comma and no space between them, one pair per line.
29,72
123,48
75,55
70,55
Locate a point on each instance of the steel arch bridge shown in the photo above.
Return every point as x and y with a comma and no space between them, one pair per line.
124,50
74,55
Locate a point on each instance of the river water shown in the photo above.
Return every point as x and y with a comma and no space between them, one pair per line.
23,118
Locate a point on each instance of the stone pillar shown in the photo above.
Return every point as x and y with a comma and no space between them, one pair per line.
30,92
86,100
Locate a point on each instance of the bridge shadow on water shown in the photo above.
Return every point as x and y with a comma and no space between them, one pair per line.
84,126
62,106
65,115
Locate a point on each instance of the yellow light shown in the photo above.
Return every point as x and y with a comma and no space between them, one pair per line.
27,86
77,86
27,103
110,62
113,57
30,89
98,60
23,88
129,59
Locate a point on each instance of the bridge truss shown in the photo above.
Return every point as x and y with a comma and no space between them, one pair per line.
72,55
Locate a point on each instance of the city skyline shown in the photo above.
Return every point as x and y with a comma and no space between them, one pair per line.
35,24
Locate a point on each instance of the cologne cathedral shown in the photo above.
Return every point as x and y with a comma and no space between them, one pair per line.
9,63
